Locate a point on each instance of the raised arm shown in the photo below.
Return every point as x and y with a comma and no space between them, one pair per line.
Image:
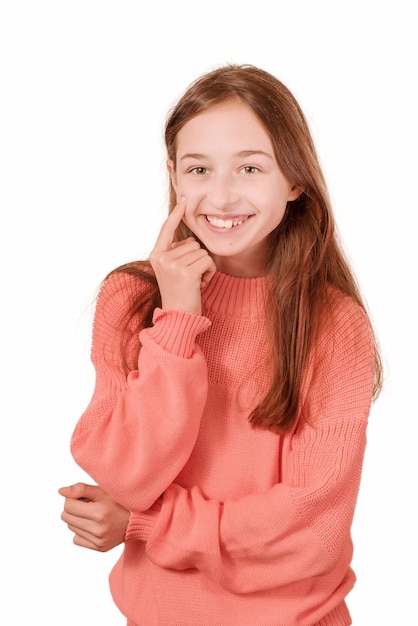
138,430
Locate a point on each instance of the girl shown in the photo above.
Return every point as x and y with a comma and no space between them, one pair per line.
234,375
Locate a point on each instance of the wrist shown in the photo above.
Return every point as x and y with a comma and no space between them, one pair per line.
176,331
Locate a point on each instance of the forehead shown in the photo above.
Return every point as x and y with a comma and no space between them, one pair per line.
230,125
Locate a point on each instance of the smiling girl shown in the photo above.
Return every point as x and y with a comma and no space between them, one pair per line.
234,375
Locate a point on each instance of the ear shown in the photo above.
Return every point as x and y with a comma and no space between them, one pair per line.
172,173
295,192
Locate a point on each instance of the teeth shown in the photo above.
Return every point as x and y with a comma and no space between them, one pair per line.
220,223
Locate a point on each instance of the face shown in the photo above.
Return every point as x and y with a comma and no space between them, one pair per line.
235,192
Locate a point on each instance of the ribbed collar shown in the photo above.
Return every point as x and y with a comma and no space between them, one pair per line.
235,297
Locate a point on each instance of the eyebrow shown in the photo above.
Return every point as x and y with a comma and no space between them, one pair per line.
243,153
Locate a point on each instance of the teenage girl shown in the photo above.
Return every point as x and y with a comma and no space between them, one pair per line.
235,371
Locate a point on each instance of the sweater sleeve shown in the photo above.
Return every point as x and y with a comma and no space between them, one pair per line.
139,429
300,528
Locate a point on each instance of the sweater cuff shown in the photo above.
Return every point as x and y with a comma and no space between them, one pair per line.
176,331
140,525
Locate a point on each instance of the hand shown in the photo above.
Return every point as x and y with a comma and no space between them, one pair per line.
97,521
182,268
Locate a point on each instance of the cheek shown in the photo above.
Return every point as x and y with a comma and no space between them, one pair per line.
191,211
192,194
180,188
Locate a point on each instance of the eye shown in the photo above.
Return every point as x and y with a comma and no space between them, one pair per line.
250,169
198,171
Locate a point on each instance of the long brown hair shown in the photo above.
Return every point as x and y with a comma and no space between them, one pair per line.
305,256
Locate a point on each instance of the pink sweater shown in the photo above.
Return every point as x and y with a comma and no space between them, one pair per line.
229,526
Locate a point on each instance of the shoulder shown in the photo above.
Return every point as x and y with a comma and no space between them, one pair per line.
345,344
125,287
340,376
124,305
343,320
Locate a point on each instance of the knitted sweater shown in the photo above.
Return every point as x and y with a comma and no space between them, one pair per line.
229,525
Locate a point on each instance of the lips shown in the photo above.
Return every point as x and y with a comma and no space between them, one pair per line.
226,223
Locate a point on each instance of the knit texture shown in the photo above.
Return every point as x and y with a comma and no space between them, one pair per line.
229,525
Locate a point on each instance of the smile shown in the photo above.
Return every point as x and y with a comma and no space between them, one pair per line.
218,222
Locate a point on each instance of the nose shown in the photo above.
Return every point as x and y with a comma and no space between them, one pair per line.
222,193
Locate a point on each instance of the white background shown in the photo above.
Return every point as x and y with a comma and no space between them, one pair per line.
85,88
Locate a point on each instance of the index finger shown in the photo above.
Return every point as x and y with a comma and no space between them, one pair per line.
166,236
